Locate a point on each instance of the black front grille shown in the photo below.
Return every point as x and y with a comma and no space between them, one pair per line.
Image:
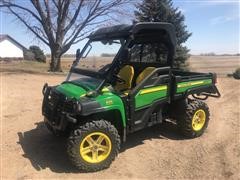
55,105
68,107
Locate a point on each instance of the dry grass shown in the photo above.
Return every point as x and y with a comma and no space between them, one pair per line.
32,66
23,66
222,65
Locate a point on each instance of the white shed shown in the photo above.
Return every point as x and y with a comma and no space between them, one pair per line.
10,48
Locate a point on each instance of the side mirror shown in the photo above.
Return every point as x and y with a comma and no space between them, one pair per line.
75,62
78,53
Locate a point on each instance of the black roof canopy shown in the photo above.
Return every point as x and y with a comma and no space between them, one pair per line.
157,29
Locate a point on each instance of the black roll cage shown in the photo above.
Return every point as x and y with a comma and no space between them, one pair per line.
137,33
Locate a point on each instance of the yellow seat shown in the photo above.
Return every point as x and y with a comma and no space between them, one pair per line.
147,71
126,74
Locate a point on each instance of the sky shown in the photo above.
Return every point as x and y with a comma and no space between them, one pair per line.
215,27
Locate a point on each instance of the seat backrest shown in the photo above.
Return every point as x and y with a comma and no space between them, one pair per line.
126,73
144,74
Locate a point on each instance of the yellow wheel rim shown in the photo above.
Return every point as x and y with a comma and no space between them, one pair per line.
198,120
95,147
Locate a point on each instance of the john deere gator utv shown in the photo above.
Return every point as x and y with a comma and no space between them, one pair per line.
138,89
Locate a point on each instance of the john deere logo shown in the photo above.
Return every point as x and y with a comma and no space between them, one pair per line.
109,102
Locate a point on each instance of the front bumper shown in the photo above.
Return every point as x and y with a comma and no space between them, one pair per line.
57,109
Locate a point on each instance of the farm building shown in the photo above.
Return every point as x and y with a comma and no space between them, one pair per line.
10,48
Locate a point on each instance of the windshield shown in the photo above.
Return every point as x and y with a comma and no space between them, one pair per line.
87,82
100,54
97,57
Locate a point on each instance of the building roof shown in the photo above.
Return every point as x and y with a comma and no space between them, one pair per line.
7,37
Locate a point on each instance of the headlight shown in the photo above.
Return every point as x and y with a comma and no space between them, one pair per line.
91,93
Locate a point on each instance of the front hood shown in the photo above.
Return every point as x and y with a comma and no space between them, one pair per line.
71,90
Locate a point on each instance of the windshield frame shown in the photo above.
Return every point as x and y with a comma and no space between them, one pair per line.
95,74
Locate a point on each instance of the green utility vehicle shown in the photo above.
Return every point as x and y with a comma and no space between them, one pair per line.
138,89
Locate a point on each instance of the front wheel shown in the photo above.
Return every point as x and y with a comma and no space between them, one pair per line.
94,145
194,119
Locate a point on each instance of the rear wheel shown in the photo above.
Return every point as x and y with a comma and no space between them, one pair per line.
94,145
193,121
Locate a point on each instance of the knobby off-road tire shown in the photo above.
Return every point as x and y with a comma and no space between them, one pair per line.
195,110
79,141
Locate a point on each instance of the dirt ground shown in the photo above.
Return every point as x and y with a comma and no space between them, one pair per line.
29,151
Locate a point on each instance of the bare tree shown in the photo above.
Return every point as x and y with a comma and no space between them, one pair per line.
62,23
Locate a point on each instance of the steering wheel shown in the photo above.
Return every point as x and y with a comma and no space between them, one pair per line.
119,79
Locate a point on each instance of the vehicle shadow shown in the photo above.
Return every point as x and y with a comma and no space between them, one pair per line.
167,130
47,151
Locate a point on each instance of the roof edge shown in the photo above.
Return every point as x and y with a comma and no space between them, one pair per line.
8,37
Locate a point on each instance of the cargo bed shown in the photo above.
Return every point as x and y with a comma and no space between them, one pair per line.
193,83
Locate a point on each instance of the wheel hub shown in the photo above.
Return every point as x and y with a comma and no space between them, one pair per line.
198,120
95,147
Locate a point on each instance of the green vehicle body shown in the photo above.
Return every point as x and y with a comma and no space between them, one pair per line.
146,96
184,86
129,112
107,100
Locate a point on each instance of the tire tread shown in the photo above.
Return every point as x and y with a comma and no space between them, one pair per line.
185,118
82,130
